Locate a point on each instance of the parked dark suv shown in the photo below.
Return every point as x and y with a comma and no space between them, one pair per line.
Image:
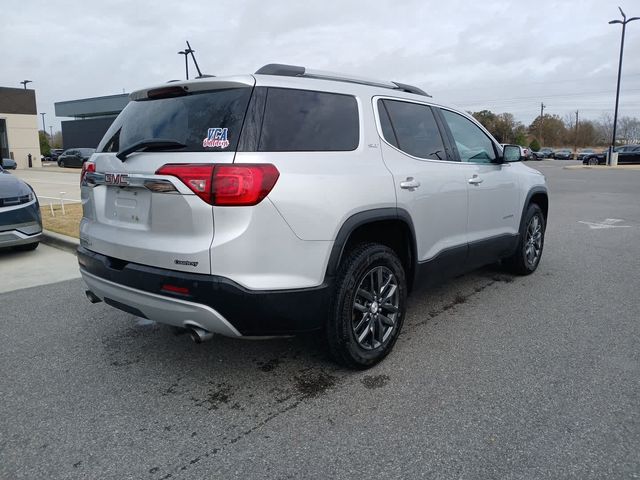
75,157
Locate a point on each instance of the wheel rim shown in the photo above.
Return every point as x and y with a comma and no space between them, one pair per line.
375,308
533,242
593,161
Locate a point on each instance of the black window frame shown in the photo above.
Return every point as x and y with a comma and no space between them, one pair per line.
446,143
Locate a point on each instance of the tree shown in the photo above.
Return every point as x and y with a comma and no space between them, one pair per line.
628,130
534,145
57,140
520,135
550,129
45,148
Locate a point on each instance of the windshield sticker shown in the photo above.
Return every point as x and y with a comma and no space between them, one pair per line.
216,137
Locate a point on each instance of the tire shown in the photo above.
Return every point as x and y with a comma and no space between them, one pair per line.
593,161
61,163
360,330
528,253
27,247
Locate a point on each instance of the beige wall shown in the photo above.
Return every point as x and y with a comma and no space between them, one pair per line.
22,133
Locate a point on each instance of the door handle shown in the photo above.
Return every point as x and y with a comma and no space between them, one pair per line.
410,184
475,180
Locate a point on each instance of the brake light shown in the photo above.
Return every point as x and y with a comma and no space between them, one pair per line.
87,167
226,185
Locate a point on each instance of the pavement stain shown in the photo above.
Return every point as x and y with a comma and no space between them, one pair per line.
269,365
314,384
460,298
375,381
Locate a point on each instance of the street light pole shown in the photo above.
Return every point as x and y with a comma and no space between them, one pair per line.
623,22
44,129
186,60
24,83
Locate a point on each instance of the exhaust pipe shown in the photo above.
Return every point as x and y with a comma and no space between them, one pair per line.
199,335
93,298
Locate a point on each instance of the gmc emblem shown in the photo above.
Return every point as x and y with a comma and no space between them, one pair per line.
116,178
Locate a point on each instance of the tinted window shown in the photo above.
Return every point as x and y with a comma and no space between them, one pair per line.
203,121
415,129
472,143
387,129
301,120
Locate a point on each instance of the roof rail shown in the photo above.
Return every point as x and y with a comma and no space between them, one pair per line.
298,71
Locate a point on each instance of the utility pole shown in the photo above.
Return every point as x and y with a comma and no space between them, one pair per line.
24,83
44,129
51,131
542,107
576,145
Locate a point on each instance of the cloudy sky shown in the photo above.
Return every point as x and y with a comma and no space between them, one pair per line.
506,56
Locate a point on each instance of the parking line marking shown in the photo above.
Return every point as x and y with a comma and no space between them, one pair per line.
607,223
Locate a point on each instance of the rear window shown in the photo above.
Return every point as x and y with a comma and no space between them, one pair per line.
204,121
303,120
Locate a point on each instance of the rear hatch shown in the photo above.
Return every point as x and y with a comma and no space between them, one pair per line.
144,190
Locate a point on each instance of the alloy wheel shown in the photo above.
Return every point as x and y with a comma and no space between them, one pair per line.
533,241
375,308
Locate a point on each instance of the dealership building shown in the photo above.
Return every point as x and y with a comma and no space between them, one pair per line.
19,126
92,117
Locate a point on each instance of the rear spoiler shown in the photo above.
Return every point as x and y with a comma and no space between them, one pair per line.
197,85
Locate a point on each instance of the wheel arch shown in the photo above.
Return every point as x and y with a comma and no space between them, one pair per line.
392,227
540,197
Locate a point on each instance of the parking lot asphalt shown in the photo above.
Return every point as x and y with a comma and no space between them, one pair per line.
494,376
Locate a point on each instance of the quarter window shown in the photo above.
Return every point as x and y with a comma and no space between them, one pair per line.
412,129
472,143
303,120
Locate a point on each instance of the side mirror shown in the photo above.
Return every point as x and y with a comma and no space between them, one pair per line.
511,153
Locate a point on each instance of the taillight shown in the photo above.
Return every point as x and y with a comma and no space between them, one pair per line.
195,176
226,185
243,184
87,167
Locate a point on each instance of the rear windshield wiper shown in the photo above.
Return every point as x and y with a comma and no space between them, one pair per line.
149,145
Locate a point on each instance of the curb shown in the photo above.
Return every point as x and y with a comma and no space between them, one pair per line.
63,242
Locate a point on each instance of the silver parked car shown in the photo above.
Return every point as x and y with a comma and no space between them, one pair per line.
20,219
293,200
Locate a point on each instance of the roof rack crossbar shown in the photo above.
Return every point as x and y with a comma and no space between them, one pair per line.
298,71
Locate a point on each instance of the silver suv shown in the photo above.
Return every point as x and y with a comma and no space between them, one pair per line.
294,200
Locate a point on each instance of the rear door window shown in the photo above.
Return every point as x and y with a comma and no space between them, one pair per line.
207,121
412,129
303,120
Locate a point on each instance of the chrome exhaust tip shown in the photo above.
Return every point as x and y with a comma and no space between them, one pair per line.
93,298
199,335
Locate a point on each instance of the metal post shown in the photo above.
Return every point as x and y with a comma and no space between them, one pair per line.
542,105
624,22
186,61
44,129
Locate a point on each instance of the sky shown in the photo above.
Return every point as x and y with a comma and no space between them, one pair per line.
505,56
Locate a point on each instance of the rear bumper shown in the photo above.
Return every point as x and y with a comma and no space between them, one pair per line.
214,303
162,309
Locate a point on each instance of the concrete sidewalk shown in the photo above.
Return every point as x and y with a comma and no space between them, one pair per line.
42,266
